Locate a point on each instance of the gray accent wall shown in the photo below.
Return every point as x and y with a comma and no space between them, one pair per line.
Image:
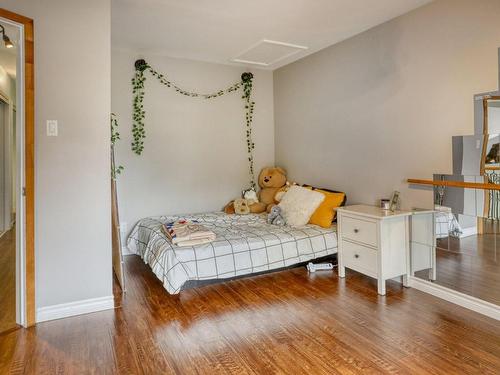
73,219
364,115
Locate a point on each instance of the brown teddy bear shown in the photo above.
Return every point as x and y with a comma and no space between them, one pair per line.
271,180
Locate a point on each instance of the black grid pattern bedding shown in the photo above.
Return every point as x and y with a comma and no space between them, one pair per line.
245,244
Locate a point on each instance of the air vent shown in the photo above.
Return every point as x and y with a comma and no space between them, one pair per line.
267,52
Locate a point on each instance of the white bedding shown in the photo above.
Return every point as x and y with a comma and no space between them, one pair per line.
245,244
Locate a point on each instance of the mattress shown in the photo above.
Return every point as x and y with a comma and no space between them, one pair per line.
245,244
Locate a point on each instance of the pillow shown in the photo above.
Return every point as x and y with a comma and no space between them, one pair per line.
298,204
330,191
326,212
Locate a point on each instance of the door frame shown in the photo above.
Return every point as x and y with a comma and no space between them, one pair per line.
26,113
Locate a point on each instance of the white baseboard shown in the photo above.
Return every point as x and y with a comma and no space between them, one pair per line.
126,251
472,303
65,310
467,232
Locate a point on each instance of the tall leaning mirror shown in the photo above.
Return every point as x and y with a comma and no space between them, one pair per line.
461,250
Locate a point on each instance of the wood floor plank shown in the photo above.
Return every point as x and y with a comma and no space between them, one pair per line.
8,281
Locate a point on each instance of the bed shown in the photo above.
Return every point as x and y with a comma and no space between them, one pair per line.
245,244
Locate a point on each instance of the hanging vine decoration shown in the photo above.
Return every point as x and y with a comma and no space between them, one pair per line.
115,136
139,114
246,79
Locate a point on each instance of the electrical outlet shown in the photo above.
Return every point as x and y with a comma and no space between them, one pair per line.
52,128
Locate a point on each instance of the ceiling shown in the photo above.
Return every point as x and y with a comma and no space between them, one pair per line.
220,31
8,56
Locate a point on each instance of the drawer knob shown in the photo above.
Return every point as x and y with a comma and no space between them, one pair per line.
356,230
356,256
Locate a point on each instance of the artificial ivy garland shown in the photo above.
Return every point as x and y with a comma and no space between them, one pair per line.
115,136
138,131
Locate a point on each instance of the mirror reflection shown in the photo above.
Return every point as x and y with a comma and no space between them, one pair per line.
492,154
464,255
492,115
475,155
457,246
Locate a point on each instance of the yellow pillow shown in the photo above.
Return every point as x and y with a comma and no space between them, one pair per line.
325,213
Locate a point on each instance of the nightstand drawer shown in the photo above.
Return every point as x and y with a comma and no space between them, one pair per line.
359,230
359,258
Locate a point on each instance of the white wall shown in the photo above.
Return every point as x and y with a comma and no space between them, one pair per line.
8,90
73,220
7,83
365,114
195,150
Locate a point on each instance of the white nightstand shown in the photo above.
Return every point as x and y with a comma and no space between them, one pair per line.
374,242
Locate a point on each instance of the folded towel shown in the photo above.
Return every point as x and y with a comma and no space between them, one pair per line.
199,241
184,233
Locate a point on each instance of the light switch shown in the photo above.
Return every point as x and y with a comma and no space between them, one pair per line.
52,128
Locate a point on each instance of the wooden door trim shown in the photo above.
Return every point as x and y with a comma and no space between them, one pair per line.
29,161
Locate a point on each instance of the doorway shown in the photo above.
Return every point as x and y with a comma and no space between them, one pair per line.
17,298
8,187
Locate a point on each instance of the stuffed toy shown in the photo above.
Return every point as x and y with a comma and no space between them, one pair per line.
251,196
229,208
275,217
241,206
271,179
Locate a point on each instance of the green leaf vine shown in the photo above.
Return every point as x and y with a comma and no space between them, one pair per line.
115,136
139,114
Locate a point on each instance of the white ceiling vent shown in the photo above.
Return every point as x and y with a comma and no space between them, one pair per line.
267,52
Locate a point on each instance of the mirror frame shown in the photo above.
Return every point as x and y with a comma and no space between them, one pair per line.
486,133
485,111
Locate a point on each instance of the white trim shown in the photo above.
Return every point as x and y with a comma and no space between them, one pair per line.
268,41
65,310
20,199
467,232
250,62
472,303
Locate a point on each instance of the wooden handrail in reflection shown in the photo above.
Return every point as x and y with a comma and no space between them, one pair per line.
458,184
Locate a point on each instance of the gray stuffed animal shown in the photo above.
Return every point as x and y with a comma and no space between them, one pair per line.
275,217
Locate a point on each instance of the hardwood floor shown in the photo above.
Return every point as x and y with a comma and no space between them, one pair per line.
287,322
8,281
470,265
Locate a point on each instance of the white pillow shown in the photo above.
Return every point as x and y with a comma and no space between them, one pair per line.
298,205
